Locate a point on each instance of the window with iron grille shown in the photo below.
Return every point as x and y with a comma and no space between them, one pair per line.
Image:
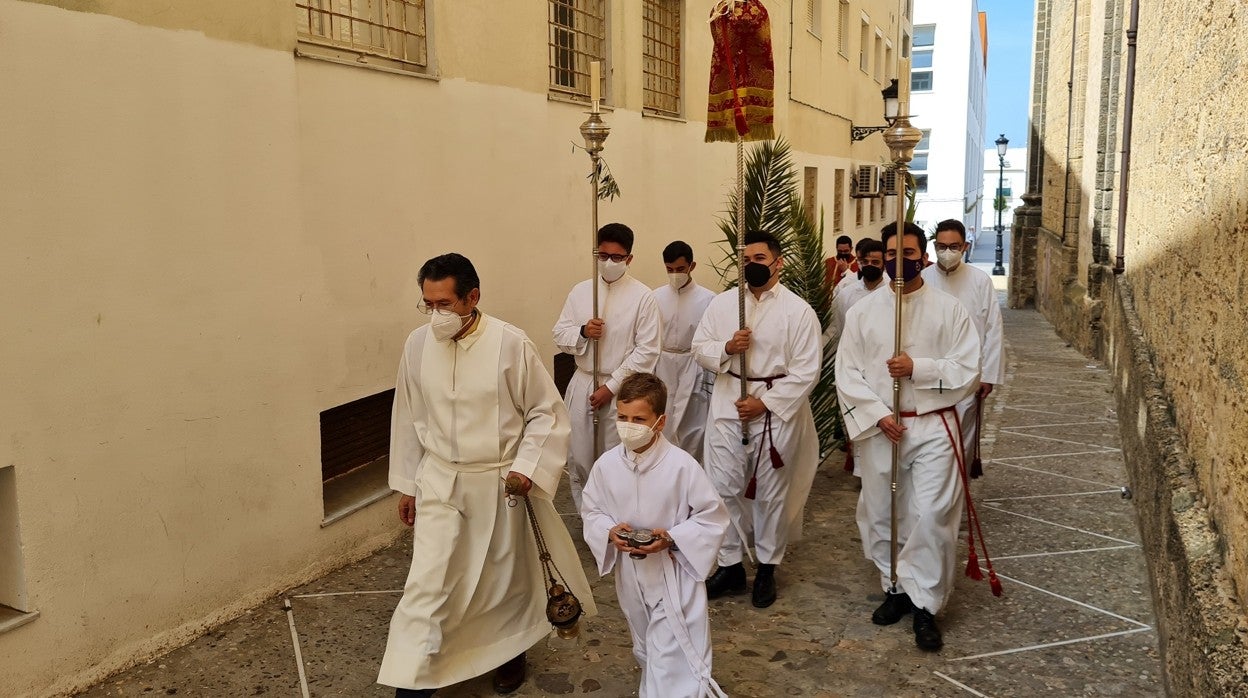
393,32
661,57
842,28
578,37
864,46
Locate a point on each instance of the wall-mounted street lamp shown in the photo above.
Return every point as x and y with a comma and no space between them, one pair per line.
1002,144
858,133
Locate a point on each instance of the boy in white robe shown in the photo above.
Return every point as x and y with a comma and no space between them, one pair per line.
627,330
939,367
646,482
973,287
682,303
868,278
784,357
475,597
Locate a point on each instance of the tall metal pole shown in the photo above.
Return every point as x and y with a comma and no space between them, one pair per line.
900,138
745,427
998,269
595,132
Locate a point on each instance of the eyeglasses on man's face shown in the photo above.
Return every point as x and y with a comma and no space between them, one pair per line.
428,307
603,257
955,246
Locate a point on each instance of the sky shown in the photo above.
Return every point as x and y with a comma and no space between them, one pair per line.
1010,36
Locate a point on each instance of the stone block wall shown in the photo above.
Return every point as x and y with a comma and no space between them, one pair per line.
1175,323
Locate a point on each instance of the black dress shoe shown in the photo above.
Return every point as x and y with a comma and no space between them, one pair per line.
926,634
894,607
510,676
726,580
764,586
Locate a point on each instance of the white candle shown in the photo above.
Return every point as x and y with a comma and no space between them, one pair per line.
595,81
903,87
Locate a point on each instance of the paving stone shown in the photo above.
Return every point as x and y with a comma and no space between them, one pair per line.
817,640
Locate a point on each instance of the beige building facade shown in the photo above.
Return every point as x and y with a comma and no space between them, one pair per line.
213,214
1164,305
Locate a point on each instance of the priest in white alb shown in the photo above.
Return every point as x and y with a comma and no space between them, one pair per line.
682,302
649,484
764,483
973,287
628,334
472,404
938,367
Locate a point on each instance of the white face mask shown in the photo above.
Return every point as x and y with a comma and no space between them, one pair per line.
948,259
677,281
635,436
611,271
445,324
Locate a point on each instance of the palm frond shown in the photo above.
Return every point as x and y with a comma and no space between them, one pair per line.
773,205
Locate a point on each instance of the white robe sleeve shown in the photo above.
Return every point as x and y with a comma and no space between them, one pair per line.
597,520
861,408
708,344
698,537
805,355
543,449
567,330
647,341
406,452
992,363
940,382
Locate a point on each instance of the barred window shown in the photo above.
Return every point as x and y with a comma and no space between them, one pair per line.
392,31
578,37
661,59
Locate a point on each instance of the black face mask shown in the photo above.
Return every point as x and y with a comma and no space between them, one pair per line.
910,268
870,273
757,275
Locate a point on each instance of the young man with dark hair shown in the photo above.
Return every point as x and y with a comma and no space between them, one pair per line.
681,304
844,263
628,335
870,278
449,464
939,367
764,483
973,287
649,487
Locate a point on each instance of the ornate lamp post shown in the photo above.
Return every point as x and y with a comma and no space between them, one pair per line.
1002,143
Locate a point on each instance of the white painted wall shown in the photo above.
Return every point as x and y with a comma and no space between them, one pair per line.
954,110
208,242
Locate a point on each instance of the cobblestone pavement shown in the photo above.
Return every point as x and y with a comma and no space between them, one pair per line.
1075,620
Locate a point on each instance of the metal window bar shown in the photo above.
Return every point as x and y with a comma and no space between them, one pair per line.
661,57
578,36
393,29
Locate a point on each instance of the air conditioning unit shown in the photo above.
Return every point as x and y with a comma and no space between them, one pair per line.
888,182
867,182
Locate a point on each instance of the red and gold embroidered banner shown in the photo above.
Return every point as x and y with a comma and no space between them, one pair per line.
742,99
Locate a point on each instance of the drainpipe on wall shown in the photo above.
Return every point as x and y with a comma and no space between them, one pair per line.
1070,125
1129,99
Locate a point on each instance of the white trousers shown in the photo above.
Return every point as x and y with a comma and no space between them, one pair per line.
730,465
581,455
929,508
966,413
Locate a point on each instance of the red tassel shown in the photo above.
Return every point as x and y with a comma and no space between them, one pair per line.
849,460
995,584
776,461
739,118
751,487
977,468
972,566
